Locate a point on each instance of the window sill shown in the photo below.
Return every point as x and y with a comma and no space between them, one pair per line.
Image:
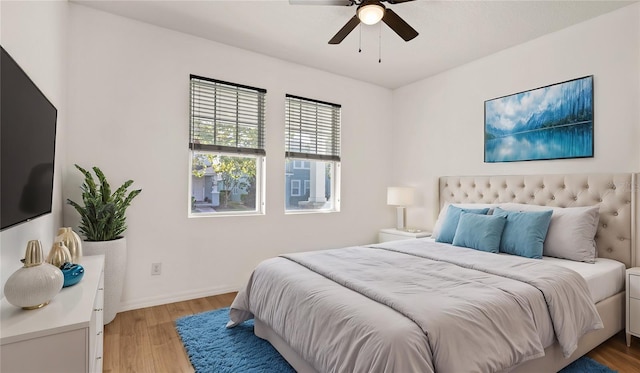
306,212
225,214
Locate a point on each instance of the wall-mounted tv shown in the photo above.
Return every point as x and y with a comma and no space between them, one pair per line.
27,146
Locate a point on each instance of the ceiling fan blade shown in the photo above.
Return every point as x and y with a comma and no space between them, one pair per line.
398,25
345,30
321,2
398,1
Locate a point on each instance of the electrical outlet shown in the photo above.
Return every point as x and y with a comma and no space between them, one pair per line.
156,269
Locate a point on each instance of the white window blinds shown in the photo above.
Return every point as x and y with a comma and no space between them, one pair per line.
312,129
226,117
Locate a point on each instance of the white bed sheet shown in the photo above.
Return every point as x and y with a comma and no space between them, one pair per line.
604,278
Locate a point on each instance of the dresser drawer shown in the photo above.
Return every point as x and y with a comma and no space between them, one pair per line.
634,286
634,319
62,352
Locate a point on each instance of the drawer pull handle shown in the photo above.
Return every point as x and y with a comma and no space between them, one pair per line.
100,288
97,309
99,358
100,332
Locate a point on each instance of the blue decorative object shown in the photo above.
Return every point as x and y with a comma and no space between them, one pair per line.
550,122
73,273
214,348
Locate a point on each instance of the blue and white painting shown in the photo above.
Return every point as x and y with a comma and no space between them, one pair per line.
551,122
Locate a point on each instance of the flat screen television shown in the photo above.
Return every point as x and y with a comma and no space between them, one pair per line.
27,146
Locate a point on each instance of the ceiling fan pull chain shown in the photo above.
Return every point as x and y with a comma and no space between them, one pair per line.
380,44
360,38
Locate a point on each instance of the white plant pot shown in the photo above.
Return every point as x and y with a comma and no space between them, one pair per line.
115,264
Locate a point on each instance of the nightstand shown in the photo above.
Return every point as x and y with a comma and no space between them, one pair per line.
633,303
392,234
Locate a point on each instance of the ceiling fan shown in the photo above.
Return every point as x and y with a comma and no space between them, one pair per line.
368,12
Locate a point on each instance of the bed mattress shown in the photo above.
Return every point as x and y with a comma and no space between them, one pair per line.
604,278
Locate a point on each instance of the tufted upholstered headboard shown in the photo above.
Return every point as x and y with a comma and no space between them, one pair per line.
615,238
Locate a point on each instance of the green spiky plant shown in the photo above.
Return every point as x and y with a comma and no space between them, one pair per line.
103,214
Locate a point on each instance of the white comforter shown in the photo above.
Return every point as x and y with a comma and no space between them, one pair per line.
415,305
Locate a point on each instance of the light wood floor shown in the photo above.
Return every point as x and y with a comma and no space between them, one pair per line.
145,340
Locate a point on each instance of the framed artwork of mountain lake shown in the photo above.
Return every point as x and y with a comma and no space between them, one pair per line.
551,122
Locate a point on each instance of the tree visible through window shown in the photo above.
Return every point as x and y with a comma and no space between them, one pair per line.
228,183
227,147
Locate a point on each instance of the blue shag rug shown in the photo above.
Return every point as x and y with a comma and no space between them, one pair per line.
214,348
586,365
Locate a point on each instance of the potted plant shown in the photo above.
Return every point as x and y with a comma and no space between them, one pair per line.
102,223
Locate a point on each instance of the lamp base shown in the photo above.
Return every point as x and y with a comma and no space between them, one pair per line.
401,217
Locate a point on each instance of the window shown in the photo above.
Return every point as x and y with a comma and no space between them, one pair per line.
312,141
307,187
295,188
227,148
301,165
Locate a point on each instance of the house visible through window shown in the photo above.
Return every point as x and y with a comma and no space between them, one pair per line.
227,148
312,141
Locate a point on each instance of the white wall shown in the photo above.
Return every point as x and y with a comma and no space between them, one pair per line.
129,115
440,120
34,34
128,93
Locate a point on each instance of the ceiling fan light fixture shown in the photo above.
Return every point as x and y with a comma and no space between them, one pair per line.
370,13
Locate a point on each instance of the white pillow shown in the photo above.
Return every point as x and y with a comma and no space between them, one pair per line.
571,233
443,212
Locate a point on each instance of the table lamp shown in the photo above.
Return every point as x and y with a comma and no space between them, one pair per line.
401,197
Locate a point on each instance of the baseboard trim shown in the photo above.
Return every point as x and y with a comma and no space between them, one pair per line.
172,298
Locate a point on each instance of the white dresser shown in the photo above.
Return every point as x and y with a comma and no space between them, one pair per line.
64,336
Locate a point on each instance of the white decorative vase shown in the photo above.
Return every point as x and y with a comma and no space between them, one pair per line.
72,241
34,285
115,264
58,255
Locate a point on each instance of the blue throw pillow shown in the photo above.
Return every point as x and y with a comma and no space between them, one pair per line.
524,232
480,232
450,223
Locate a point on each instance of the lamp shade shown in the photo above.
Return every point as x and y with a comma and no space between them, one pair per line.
401,196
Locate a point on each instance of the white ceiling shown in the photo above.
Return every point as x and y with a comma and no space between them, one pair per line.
452,33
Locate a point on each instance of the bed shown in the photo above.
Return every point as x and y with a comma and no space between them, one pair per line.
308,311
